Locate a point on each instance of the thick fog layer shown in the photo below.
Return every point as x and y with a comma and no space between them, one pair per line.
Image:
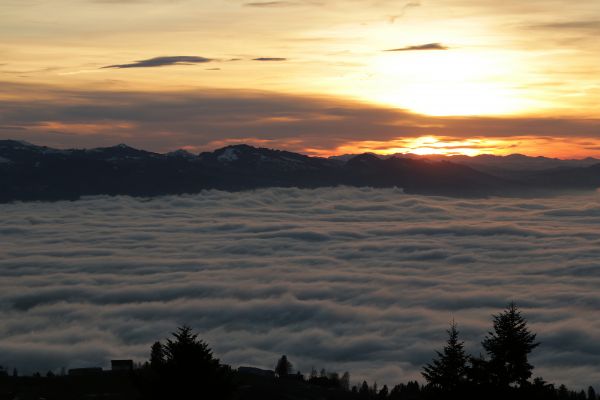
365,280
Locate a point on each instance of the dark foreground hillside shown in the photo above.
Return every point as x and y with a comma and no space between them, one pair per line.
111,386
250,386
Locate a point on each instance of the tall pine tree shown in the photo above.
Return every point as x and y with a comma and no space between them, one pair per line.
449,370
508,347
184,368
283,367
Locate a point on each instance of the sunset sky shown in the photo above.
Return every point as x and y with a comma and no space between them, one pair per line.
321,77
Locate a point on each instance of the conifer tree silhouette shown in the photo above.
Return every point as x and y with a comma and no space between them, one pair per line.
184,368
157,355
345,381
449,370
284,367
508,347
364,392
383,393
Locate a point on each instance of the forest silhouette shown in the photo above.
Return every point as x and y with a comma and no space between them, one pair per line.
184,367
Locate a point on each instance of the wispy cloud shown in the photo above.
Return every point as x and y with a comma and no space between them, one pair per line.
270,59
392,18
428,46
582,25
163,61
267,4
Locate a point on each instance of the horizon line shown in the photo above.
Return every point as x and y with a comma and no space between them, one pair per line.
430,155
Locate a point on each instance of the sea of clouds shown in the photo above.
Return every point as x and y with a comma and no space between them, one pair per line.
365,280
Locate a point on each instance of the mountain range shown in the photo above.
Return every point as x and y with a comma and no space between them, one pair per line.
30,172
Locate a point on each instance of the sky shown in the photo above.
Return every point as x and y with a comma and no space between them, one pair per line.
321,77
357,279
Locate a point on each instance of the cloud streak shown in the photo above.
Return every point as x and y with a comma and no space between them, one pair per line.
364,280
270,4
163,61
270,59
580,25
428,46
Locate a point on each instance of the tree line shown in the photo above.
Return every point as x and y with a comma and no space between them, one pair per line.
184,367
504,371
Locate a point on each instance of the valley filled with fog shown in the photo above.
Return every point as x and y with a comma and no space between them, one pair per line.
364,280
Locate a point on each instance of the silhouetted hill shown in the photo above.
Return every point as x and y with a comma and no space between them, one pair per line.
424,176
516,165
494,164
30,172
571,178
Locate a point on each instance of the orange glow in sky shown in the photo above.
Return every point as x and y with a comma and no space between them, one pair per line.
91,73
431,145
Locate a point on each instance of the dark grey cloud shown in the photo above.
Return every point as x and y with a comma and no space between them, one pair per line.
163,61
428,46
364,280
270,59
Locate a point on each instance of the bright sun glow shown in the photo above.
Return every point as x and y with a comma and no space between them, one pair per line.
444,83
447,146
432,145
426,145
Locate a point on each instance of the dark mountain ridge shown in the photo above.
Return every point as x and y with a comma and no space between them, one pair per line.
503,166
30,172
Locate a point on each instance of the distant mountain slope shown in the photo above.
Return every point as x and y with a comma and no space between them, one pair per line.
29,172
503,166
424,176
571,178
